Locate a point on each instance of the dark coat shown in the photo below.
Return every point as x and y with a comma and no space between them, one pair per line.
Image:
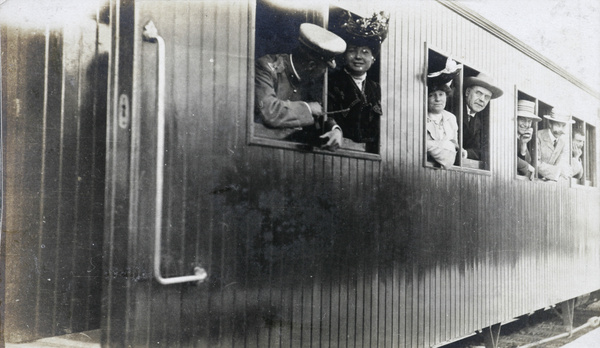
361,122
475,135
523,161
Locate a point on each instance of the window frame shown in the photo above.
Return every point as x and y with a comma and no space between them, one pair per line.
254,139
589,178
539,110
534,149
458,99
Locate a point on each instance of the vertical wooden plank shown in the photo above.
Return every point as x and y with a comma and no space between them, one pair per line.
67,180
87,230
49,200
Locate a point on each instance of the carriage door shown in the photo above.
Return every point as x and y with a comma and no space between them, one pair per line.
169,78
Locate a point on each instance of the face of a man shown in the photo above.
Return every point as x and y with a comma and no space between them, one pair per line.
477,98
316,69
578,141
524,128
436,102
358,59
557,128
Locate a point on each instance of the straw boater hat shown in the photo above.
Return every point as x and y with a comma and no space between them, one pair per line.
559,117
484,81
525,108
321,43
363,31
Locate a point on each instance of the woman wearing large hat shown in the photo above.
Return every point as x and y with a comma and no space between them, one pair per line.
354,100
441,126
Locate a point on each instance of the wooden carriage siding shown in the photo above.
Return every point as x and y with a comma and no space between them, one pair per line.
302,249
54,113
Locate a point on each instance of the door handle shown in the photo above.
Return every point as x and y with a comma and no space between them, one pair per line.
150,34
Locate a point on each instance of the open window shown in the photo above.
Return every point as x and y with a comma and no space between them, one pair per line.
527,118
277,31
472,126
277,26
590,167
583,137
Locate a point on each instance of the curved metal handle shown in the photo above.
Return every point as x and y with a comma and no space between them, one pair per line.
151,35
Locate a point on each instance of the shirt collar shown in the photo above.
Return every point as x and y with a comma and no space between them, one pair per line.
294,68
470,112
358,80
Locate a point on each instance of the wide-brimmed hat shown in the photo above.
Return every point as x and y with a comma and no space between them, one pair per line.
321,43
484,81
559,117
362,31
441,70
525,108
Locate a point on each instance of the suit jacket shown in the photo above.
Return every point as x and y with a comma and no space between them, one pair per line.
361,122
523,161
552,160
475,136
576,168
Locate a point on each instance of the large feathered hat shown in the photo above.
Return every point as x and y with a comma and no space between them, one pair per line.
363,31
441,71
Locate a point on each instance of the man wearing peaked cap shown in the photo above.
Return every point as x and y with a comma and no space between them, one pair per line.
525,118
479,90
288,88
553,148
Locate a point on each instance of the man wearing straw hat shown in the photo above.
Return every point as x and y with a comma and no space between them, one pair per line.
525,118
553,148
479,90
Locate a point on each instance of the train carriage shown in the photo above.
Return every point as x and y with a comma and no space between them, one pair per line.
142,198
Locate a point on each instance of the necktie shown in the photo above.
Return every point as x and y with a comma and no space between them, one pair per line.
555,142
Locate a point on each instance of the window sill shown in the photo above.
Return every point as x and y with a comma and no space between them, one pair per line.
288,145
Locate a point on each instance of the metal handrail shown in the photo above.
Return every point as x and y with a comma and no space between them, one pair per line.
150,34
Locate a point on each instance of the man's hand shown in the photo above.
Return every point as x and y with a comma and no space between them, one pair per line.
531,172
335,139
576,153
316,109
525,137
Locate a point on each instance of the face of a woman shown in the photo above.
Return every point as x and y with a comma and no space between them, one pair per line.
358,59
436,101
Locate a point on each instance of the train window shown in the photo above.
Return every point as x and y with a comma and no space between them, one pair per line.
582,153
276,41
354,93
468,93
289,94
554,144
442,149
589,160
526,122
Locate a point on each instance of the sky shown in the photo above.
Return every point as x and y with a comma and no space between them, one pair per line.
565,31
